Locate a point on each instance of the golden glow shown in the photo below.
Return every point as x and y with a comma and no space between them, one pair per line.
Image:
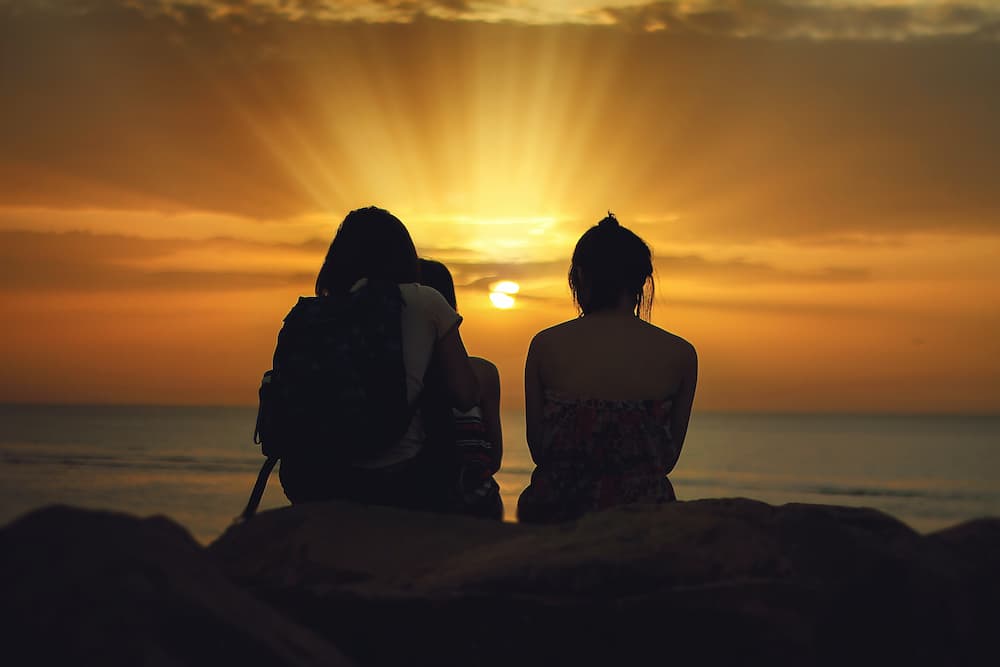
150,243
501,300
502,294
506,286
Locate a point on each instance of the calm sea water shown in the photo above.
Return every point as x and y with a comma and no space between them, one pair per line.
197,465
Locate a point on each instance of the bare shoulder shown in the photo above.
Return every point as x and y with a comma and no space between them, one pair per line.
677,346
552,335
422,296
486,370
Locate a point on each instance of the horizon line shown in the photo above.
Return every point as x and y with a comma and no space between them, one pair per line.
774,412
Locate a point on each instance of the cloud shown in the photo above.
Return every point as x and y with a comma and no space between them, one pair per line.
739,271
772,19
81,261
777,19
242,12
77,261
480,273
776,306
747,272
283,116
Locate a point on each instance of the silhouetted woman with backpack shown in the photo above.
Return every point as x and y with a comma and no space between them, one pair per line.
608,395
349,370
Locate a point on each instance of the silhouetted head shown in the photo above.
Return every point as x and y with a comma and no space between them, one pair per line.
611,263
370,243
435,274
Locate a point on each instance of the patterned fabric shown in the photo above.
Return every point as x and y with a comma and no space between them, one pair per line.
470,440
598,453
478,459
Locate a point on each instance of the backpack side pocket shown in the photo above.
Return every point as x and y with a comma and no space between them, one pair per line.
263,433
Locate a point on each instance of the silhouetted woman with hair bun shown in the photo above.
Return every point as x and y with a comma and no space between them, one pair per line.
608,395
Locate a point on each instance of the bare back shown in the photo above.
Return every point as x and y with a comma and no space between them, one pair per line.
612,356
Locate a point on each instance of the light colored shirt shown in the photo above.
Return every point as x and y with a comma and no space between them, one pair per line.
426,318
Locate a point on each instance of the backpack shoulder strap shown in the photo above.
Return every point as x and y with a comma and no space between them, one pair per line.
258,490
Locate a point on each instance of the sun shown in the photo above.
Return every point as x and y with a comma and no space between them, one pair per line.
502,294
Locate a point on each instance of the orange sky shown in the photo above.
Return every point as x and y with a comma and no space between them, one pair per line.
819,184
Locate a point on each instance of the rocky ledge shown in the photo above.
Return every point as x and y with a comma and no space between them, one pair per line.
710,582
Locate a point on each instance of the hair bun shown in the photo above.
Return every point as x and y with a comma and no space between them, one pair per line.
609,222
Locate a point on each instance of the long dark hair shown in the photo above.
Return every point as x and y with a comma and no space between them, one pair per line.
370,243
610,260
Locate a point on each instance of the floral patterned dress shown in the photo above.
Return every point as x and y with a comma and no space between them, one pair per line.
598,453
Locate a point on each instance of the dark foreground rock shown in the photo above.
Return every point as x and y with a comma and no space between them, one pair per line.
716,582
711,582
96,588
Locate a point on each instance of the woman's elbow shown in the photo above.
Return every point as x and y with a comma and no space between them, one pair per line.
465,403
466,396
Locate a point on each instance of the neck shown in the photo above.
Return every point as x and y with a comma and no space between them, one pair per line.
624,308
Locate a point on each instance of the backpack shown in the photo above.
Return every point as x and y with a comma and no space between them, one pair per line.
336,391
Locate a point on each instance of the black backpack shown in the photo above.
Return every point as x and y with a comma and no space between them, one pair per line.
337,390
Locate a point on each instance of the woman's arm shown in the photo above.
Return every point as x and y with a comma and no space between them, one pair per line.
458,374
489,403
680,412
533,398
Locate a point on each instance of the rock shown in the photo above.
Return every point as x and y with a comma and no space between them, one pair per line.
708,582
96,588
972,552
337,545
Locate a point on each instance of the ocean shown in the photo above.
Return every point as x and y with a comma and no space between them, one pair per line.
198,464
